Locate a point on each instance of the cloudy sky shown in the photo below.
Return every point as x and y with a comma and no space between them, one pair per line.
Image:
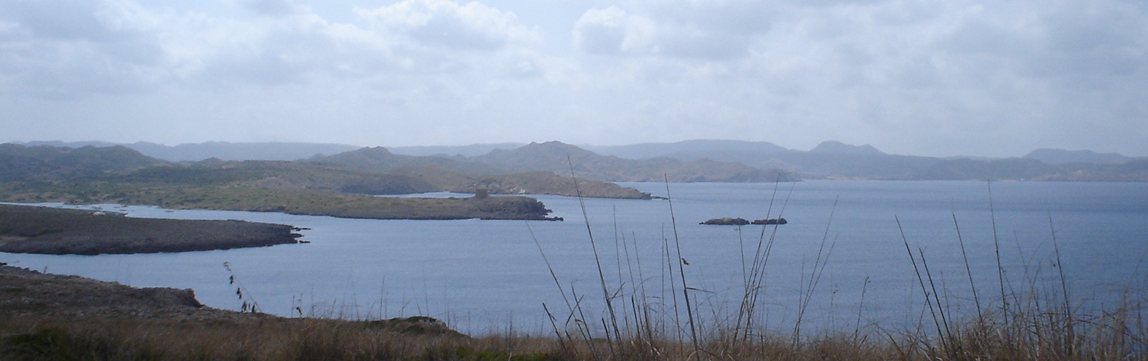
938,78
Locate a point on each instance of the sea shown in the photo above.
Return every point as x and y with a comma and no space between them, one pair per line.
855,256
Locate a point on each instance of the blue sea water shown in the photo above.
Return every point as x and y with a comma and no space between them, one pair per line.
842,254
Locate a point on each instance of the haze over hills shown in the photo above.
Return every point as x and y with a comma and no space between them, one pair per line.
686,161
836,160
19,162
559,157
221,150
463,150
688,149
118,172
1061,156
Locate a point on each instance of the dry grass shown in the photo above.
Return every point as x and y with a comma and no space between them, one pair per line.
1031,336
265,339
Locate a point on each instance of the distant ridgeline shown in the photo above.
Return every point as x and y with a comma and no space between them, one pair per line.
545,168
835,160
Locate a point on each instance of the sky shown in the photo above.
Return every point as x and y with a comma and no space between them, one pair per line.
933,78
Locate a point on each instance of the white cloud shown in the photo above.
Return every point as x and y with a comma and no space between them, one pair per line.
610,31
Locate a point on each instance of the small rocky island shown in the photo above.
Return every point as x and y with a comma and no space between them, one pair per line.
728,221
768,221
45,230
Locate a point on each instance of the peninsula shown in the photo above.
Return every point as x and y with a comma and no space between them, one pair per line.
46,230
119,175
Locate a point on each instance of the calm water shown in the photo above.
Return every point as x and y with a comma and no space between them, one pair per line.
489,276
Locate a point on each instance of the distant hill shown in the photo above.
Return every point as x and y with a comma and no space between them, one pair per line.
830,159
220,150
373,171
686,161
463,150
836,160
688,149
459,174
21,162
835,147
1061,156
558,157
381,159
239,151
60,144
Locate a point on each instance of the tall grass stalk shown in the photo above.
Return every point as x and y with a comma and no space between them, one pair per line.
816,272
997,249
597,260
681,269
921,282
968,270
249,303
754,286
1069,328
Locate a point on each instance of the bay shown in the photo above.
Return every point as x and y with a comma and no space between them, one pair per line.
841,255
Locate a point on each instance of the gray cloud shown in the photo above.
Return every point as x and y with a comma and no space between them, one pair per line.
958,77
63,49
61,20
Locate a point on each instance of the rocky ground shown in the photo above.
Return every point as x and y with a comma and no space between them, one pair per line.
25,292
31,294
